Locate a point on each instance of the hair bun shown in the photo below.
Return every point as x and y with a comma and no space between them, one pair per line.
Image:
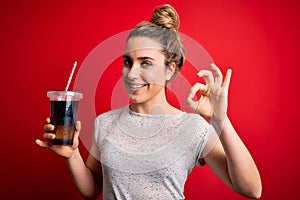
166,16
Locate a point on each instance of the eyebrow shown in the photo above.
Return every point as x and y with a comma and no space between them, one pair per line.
139,58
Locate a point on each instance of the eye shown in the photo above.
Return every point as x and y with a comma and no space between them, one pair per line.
146,64
127,62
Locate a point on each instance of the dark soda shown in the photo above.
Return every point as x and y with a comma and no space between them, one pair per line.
63,116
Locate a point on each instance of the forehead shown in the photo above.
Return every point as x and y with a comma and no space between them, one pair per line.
135,44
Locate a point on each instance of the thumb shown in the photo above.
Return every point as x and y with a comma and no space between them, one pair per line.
194,89
76,134
78,127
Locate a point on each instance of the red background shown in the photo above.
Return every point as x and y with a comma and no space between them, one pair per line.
259,40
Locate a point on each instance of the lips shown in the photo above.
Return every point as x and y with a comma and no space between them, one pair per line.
136,86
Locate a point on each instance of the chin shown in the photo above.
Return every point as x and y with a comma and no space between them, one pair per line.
136,101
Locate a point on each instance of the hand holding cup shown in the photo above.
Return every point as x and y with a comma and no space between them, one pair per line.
65,151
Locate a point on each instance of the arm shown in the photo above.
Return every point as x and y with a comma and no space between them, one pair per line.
87,177
232,163
224,153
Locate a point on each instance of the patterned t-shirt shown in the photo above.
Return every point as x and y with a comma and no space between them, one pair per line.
146,156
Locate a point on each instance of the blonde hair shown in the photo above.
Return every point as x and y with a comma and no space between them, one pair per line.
163,28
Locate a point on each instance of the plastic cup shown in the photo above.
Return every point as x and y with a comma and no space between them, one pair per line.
63,114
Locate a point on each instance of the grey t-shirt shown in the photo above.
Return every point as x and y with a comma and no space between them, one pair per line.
148,156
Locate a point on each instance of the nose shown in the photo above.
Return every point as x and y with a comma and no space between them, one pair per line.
134,72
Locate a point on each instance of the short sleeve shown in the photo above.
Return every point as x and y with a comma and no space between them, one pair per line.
205,130
96,130
94,150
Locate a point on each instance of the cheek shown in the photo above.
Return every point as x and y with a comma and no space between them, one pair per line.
124,70
155,76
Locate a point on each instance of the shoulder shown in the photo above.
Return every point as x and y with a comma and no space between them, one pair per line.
201,124
196,118
106,121
110,115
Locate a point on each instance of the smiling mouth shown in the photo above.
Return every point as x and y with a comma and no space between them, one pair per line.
136,86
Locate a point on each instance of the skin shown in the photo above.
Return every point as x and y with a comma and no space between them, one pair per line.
143,65
229,158
144,76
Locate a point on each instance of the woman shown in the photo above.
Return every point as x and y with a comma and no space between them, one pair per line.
146,150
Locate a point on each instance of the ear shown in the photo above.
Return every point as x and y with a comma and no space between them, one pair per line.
171,69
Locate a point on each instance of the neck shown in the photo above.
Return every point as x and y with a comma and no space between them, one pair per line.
156,106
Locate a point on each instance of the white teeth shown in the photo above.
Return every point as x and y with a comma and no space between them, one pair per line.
136,86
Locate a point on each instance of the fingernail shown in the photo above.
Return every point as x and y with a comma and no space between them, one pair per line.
199,74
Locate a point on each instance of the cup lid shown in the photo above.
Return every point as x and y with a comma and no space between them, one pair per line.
64,95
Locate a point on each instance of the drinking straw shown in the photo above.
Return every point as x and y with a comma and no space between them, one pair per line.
71,75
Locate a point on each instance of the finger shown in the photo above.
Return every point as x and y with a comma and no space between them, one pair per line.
76,134
48,127
218,74
48,120
227,79
194,89
191,103
78,126
42,144
49,136
77,130
197,87
208,77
